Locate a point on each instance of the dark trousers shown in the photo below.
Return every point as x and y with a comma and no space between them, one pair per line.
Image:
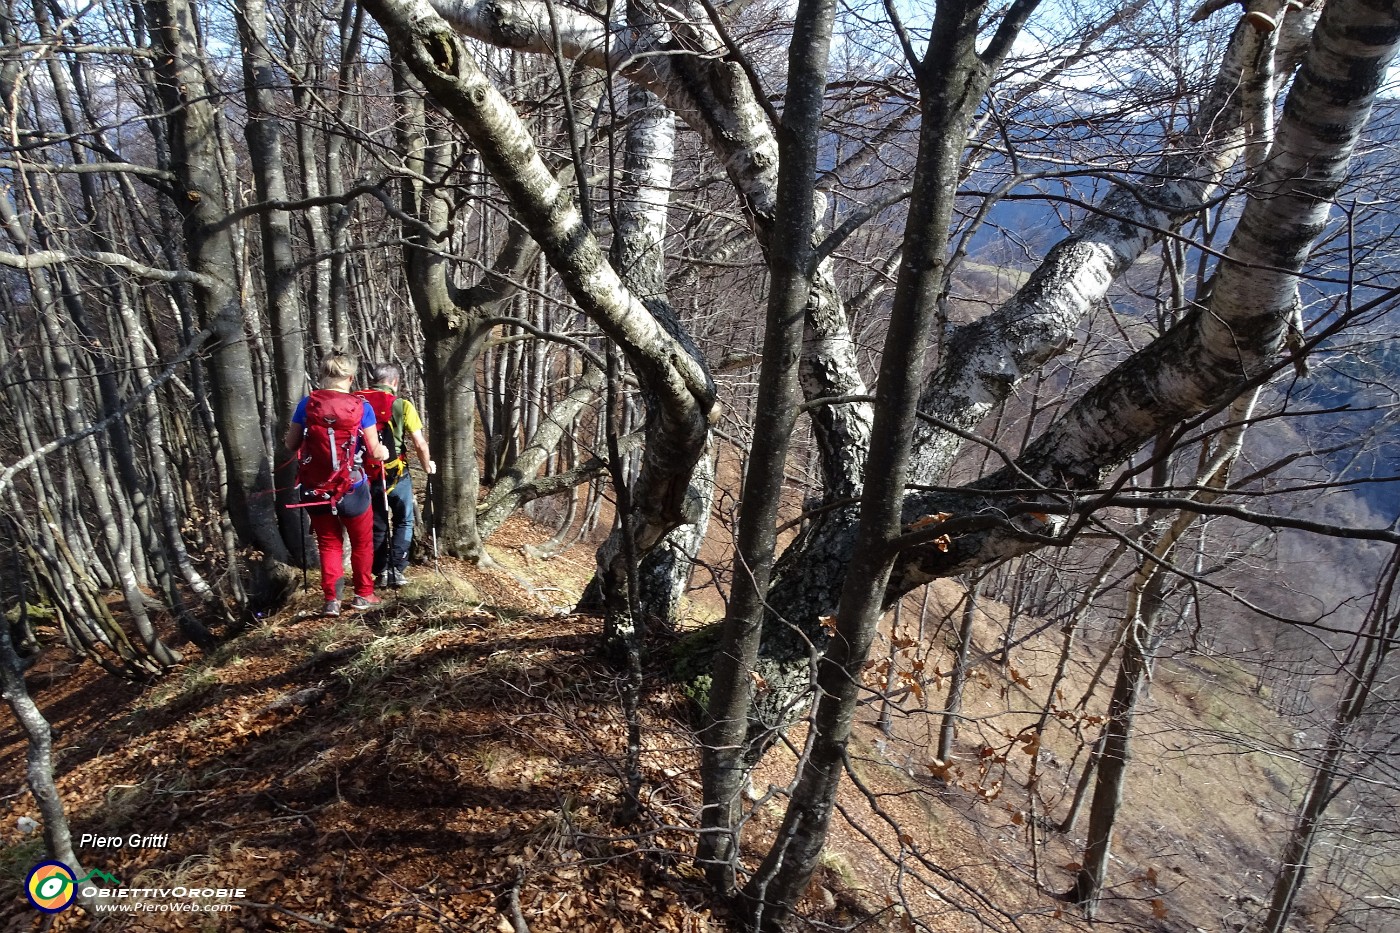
393,523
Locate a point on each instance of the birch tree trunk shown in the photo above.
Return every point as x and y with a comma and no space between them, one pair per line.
858,560
984,361
640,257
712,94
1205,360
679,393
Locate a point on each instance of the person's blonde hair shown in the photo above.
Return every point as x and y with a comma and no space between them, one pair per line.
336,366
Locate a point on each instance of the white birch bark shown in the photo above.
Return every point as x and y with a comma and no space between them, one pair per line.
680,392
640,255
711,93
646,195
1206,359
985,360
1201,363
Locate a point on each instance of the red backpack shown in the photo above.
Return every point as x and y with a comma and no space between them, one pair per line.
327,457
385,405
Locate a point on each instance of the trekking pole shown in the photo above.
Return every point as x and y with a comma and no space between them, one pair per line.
301,539
388,523
431,515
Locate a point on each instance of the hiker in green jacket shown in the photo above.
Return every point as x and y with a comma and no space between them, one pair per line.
391,489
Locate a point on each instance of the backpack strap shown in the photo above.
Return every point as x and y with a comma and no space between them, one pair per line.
395,468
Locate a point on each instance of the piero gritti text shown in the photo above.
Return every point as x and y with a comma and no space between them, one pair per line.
133,841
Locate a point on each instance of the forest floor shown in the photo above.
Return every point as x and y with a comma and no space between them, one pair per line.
452,761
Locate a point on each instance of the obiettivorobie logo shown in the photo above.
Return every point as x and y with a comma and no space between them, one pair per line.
51,886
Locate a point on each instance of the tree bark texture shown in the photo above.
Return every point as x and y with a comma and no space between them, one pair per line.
792,261
264,134
952,80
711,93
39,770
640,257
195,160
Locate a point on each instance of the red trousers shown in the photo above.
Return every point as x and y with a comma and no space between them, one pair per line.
327,528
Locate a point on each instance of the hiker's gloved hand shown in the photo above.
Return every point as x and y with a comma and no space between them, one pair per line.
430,467
382,453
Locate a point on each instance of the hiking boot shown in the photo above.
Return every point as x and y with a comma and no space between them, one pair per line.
381,579
331,608
397,579
365,602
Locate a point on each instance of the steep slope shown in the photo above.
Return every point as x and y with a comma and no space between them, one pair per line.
452,761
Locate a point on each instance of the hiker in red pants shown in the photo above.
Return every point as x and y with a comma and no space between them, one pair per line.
332,430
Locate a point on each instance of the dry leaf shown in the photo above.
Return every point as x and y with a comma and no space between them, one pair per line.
1159,909
940,769
929,520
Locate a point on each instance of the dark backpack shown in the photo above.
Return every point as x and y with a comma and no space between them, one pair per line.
326,467
386,406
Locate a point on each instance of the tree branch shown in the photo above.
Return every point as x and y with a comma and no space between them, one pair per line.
8,474
42,259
